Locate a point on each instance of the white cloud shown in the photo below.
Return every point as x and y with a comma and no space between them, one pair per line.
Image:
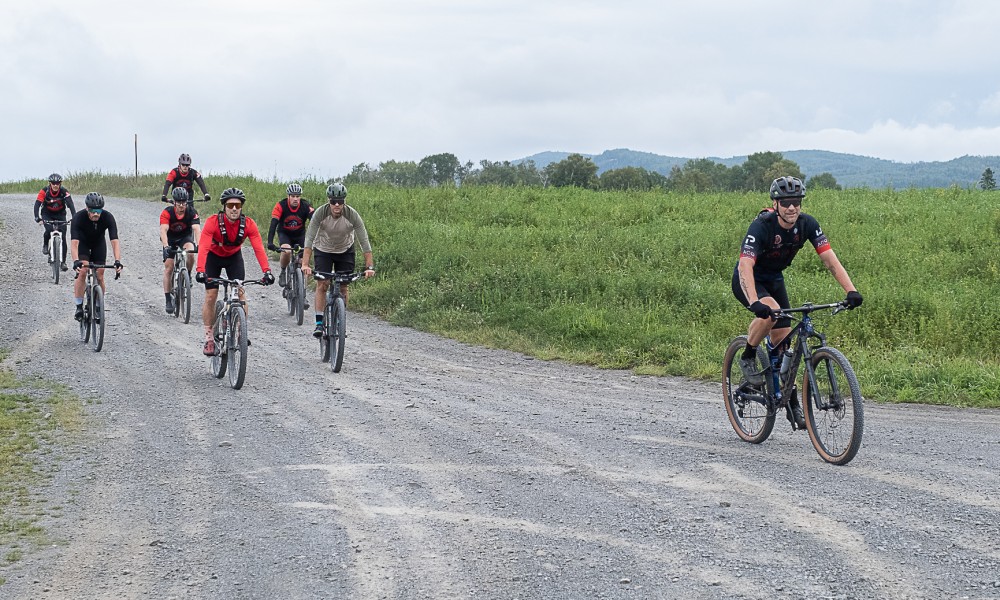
308,86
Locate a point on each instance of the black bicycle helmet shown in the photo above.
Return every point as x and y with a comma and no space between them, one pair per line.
230,193
787,187
181,195
184,159
94,200
55,178
294,189
336,190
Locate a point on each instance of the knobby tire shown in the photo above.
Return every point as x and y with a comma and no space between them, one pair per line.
338,335
324,340
237,354
835,415
98,318
219,360
746,405
299,295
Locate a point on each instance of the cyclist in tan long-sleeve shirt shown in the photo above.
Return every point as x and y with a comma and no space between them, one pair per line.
332,232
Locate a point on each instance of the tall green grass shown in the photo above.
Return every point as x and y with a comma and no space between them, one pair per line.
641,280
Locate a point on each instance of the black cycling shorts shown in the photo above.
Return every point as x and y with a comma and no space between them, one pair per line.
214,264
766,286
97,255
336,263
292,239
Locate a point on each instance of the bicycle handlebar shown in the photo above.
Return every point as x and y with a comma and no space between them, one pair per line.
238,282
55,221
338,277
808,308
94,267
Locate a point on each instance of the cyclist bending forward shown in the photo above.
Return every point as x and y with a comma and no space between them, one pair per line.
87,246
219,248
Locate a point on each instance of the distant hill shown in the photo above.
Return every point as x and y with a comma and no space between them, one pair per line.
850,170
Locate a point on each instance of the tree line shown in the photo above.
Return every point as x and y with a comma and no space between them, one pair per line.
698,175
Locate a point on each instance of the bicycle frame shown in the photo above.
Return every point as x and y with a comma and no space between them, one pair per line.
802,352
56,255
230,331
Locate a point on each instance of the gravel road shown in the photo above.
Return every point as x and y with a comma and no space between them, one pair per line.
429,468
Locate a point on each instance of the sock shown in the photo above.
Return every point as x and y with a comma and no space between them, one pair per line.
749,351
79,301
319,318
166,295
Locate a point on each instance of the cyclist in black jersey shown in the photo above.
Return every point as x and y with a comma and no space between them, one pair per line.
772,241
87,231
288,220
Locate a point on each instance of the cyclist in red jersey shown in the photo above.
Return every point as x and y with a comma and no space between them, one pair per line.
51,205
222,237
288,220
185,177
180,225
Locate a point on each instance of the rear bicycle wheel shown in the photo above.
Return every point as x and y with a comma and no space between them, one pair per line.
237,351
834,408
299,294
97,318
85,321
219,335
338,335
746,404
324,340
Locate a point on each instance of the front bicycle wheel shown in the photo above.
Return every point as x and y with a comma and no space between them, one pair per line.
97,318
55,250
746,404
219,334
299,295
338,335
85,321
184,296
237,354
833,405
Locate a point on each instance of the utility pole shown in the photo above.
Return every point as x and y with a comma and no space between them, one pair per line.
136,156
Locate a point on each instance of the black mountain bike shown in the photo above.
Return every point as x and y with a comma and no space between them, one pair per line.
93,322
56,256
832,402
230,331
331,343
180,284
294,290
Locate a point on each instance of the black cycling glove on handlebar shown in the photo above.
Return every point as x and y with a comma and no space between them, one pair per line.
167,251
268,278
854,299
761,310
199,277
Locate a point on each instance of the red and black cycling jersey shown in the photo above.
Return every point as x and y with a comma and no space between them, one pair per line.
181,226
227,240
772,247
176,179
291,221
53,204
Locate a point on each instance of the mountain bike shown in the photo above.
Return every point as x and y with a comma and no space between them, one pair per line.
56,255
331,343
230,331
93,321
180,284
832,402
294,290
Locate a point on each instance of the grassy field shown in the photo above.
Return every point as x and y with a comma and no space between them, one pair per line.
642,280
32,414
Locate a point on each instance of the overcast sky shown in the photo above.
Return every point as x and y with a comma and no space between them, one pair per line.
296,88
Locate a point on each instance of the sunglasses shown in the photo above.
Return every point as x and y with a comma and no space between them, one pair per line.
234,205
95,211
337,200
787,202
